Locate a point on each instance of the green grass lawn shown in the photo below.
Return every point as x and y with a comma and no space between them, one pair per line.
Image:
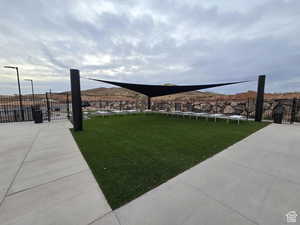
130,155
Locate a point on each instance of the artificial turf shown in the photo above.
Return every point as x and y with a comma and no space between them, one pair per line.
130,155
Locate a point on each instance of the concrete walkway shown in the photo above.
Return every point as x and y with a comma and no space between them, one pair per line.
44,179
255,181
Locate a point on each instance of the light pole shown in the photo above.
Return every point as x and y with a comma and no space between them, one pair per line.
20,95
31,90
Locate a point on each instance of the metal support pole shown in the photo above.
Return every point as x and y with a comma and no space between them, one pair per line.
68,106
293,111
248,108
149,102
32,91
260,98
20,95
48,108
76,99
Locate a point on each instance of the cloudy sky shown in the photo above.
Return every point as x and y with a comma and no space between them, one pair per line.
151,41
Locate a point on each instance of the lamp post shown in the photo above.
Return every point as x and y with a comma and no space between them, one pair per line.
20,96
31,90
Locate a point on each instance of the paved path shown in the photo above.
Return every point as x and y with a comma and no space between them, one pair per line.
44,178
255,181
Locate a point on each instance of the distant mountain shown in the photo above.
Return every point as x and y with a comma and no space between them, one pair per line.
120,94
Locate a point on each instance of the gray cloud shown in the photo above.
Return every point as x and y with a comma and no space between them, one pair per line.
182,42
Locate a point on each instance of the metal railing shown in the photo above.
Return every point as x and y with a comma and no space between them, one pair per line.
52,107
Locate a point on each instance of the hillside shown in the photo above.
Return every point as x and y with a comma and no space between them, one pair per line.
121,94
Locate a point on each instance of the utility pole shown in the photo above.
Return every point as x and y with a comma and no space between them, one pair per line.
32,91
19,87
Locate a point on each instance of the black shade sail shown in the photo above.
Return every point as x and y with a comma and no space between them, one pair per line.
160,90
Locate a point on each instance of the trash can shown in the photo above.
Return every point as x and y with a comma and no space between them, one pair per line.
278,113
38,116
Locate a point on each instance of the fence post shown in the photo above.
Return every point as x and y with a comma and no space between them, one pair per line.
76,99
68,107
149,103
15,115
248,108
293,111
48,108
260,98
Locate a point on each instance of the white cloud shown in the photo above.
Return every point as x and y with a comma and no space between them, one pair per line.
151,41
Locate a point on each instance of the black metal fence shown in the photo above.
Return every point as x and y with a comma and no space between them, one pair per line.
291,109
245,108
58,106
102,103
53,107
242,107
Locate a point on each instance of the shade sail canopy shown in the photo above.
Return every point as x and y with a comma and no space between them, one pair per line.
160,90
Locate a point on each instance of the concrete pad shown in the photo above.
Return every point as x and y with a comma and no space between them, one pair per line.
7,175
50,141
176,203
109,219
278,157
274,138
15,144
12,140
278,164
51,153
53,131
14,147
212,213
56,146
72,200
42,171
238,187
282,198
53,184
15,130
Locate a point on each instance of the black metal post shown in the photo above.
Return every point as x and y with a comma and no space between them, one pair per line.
293,111
76,99
50,97
15,115
248,108
48,108
20,95
149,102
32,92
68,107
260,98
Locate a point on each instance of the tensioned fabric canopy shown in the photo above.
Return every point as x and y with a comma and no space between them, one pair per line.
160,90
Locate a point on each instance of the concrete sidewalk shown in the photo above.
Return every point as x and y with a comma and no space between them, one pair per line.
44,179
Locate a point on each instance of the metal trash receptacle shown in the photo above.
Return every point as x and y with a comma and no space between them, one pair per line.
278,113
38,116
278,118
